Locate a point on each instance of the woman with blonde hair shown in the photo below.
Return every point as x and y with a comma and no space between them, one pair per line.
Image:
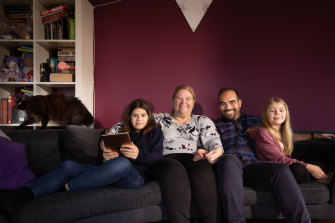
274,141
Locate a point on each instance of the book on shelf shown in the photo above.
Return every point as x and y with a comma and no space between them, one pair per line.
116,140
4,109
18,13
1,111
25,50
55,16
19,91
54,9
67,58
66,52
61,77
30,92
58,29
21,19
16,9
72,28
26,47
10,107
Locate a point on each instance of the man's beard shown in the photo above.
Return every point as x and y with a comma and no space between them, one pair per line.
231,117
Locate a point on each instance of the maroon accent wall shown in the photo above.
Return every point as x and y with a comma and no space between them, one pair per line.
144,49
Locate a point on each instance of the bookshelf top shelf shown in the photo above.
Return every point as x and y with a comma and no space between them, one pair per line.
15,43
50,44
56,84
16,84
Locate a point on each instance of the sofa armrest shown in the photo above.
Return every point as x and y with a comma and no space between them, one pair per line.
332,191
316,151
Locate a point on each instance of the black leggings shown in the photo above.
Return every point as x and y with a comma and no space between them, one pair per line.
300,173
181,179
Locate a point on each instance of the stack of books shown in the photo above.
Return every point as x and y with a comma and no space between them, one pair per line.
6,109
59,22
65,69
21,16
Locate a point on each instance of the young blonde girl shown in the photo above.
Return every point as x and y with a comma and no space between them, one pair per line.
274,141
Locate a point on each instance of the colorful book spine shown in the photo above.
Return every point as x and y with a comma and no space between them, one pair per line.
11,106
67,58
66,53
54,9
25,50
72,29
1,111
4,111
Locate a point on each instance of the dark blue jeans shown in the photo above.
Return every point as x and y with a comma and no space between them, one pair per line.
119,172
262,176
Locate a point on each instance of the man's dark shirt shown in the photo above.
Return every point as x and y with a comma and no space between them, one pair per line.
234,138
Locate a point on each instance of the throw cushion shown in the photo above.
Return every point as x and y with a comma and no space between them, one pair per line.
14,169
43,152
2,134
81,144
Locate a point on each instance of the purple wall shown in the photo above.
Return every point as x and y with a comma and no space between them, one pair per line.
144,49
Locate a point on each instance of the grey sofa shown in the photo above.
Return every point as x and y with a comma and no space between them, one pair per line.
47,148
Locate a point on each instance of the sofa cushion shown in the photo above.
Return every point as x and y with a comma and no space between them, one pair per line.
72,205
81,144
315,192
14,169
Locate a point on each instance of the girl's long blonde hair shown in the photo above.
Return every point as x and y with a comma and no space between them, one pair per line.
285,136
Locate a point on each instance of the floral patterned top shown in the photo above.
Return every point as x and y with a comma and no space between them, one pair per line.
200,132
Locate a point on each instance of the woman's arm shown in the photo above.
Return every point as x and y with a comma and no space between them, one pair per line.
308,136
268,149
153,152
210,140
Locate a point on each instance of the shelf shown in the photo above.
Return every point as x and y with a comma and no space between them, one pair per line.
16,84
54,44
43,49
7,44
56,84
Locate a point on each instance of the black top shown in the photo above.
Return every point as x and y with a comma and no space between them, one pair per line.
150,148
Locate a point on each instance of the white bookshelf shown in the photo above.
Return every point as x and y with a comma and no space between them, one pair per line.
83,84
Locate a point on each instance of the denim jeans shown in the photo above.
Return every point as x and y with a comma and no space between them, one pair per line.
119,172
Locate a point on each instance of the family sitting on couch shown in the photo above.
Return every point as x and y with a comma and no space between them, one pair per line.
193,146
